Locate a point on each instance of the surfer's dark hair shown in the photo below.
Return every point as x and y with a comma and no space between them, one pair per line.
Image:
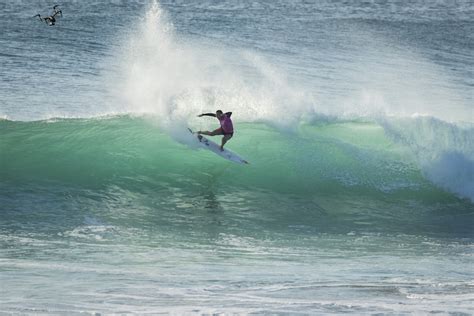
219,112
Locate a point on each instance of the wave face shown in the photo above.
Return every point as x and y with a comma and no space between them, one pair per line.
321,170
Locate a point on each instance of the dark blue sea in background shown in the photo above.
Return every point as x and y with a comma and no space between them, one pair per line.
357,118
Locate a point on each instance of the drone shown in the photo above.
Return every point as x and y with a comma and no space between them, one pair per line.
51,20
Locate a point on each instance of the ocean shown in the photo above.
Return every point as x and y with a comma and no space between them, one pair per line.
357,118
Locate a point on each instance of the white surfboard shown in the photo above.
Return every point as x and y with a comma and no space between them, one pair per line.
210,145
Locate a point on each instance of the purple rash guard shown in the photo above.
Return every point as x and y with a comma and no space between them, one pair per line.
226,124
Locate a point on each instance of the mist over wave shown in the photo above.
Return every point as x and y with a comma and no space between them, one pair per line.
176,76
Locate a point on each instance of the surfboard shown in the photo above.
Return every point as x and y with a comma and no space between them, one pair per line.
212,146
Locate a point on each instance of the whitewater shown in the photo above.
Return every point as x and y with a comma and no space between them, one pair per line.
357,119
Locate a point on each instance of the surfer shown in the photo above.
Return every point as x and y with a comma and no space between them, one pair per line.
226,129
51,20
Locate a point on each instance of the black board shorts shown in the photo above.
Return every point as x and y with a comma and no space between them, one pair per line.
222,132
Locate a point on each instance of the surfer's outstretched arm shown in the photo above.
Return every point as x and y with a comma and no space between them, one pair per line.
207,114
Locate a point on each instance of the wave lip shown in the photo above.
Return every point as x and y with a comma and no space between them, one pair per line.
444,151
452,171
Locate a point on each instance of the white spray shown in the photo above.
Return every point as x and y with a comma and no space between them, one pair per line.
177,79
